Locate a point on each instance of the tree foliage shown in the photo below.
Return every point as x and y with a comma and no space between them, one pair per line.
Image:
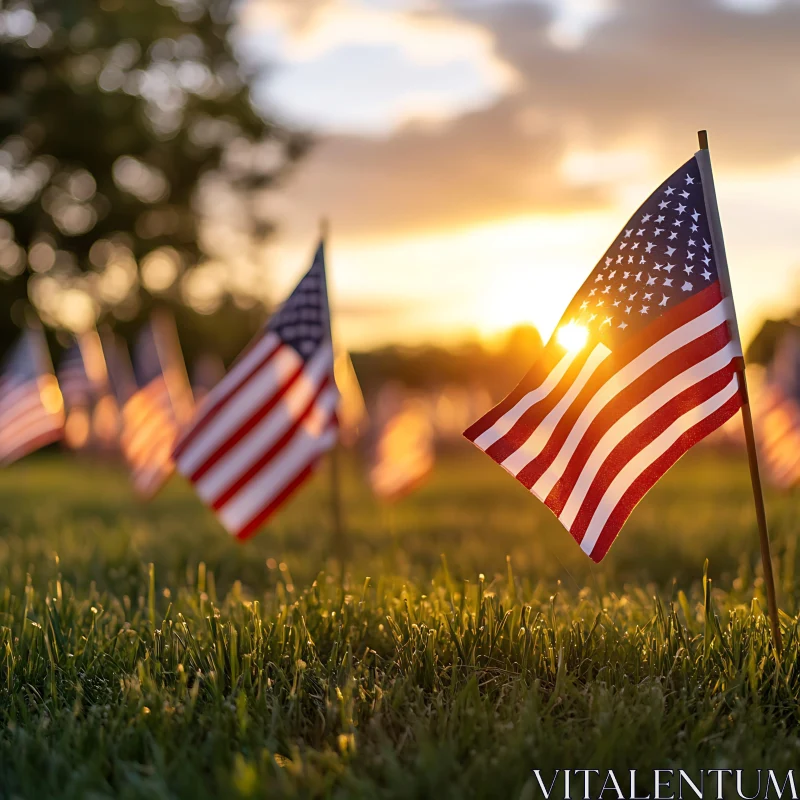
130,156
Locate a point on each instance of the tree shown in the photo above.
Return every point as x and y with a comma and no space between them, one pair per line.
129,151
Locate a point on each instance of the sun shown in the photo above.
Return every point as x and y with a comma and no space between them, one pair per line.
572,336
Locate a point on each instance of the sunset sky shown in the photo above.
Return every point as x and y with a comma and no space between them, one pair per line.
476,157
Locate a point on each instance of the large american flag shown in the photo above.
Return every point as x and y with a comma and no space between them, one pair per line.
31,407
641,367
260,432
153,416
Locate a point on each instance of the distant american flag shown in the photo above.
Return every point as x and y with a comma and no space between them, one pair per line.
262,429
640,368
154,414
31,407
76,388
777,402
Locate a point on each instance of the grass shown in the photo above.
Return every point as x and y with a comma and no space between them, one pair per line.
144,654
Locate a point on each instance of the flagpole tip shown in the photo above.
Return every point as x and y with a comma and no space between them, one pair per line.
702,138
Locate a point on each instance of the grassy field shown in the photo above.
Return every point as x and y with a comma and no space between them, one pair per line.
145,654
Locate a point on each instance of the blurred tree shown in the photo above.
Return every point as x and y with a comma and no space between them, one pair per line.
130,159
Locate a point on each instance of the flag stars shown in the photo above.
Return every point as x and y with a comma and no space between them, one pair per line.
706,260
706,246
650,280
685,194
689,180
638,277
691,243
663,204
681,208
673,236
694,228
695,215
646,218
607,290
658,231
657,267
664,299
669,268
628,233
630,259
616,303
706,274
670,251
609,260
632,296
584,305
623,325
612,274
648,248
677,223
690,256
619,259
600,303
635,246
606,321
592,293
622,287
667,281
640,232
687,287
648,296
623,245
659,219
668,191
599,277
628,309
642,260
644,309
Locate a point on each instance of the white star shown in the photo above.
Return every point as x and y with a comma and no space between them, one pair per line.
630,259
691,243
669,268
612,274
628,309
619,259
649,247
623,245
667,281
628,233
622,287
681,208
660,218
607,290
626,274
599,277
706,246
650,280
677,223
657,267
644,309
640,232
687,287
688,269
685,194
638,277
600,303
668,191
615,303
609,260
646,218
706,260
690,256
635,246
648,295
663,204
706,274
673,236
606,321
664,299
622,326
670,250
632,296
584,305
592,293
695,228
592,317
642,260
689,180
695,215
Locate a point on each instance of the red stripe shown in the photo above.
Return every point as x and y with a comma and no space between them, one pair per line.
533,379
29,427
653,379
642,485
245,477
259,519
522,429
247,426
640,437
212,411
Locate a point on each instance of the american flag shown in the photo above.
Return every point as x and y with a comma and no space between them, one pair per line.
262,429
641,367
76,388
31,406
404,452
154,414
776,399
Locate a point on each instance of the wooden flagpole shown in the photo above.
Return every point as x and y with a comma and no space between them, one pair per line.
715,227
339,539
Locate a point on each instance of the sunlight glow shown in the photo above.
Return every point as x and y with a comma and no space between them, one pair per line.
572,336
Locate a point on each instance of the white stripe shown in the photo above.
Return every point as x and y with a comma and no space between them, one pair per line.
519,459
509,419
620,380
244,402
13,449
636,416
645,457
258,441
312,439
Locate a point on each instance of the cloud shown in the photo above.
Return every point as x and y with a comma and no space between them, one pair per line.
646,76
